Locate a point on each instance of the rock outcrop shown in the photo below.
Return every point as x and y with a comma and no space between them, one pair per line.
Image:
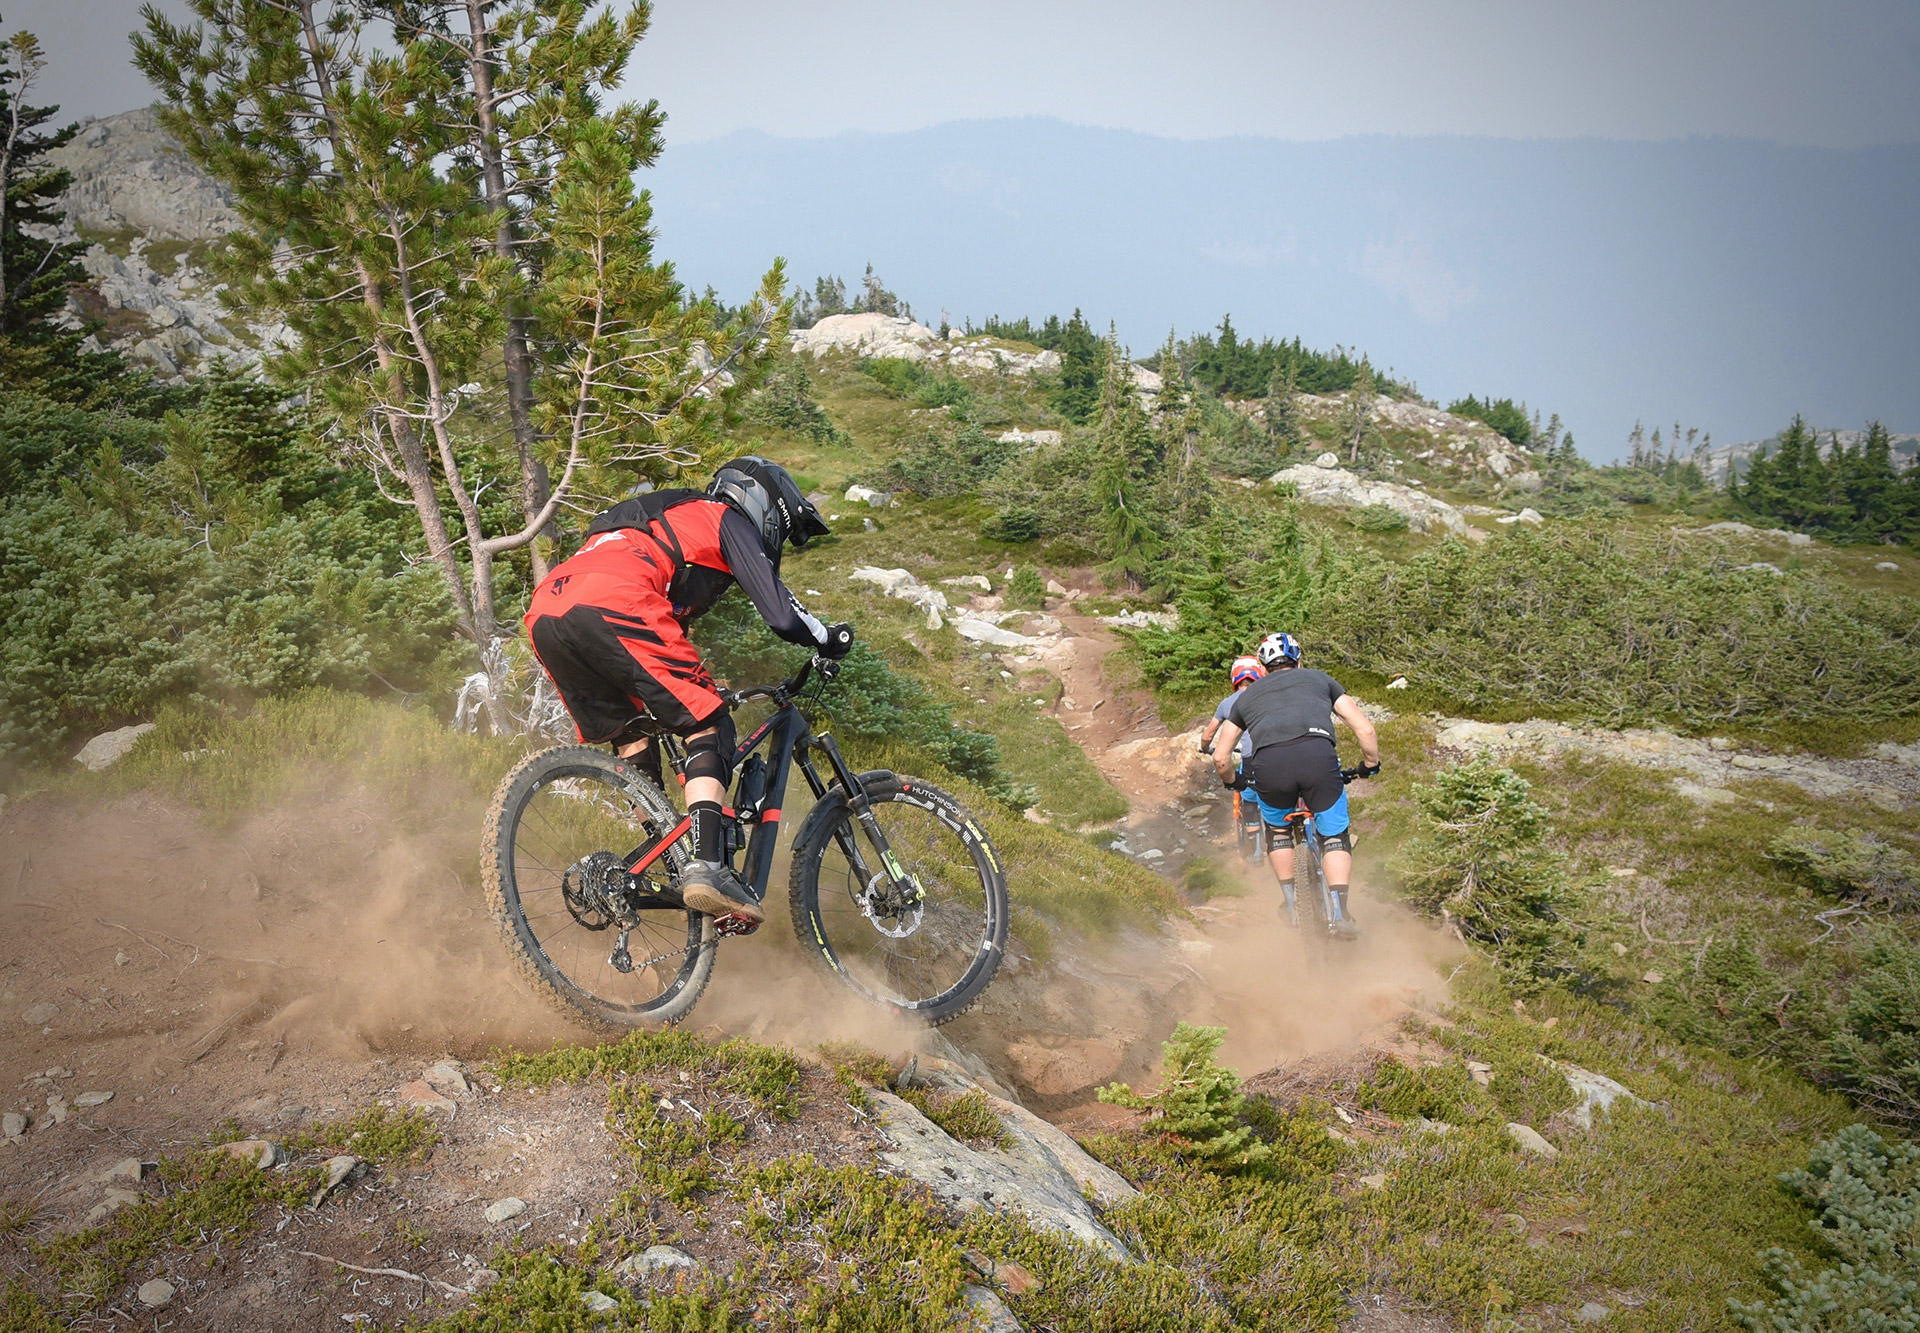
896,338
1027,1178
135,187
131,175
1455,444
1320,484
1701,769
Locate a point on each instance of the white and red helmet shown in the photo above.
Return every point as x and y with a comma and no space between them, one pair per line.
1245,671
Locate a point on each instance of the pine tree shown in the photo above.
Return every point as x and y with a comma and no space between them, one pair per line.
1356,425
36,271
1200,1103
346,135
1076,393
1283,408
1130,466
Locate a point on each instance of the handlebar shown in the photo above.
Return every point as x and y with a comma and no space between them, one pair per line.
1363,771
782,694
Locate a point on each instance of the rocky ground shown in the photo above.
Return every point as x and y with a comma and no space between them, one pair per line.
280,972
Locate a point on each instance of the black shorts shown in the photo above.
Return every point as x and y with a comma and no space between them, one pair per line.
1305,769
611,669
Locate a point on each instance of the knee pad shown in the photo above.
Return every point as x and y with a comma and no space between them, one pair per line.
1279,837
1338,842
711,755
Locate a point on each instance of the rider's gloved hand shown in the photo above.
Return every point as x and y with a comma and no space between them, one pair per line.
1368,770
1236,782
839,642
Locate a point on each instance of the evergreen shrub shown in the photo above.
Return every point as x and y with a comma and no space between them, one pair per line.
1865,1195
1199,1104
1850,863
1482,861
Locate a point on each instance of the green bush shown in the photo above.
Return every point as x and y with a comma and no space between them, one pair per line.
1504,416
1482,861
917,384
212,557
785,400
1199,1104
1026,588
1378,518
935,466
1850,863
1865,1195
1627,629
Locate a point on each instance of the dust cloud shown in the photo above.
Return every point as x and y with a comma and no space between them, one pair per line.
321,923
329,927
1282,997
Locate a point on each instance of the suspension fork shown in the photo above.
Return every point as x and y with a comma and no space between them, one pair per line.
862,811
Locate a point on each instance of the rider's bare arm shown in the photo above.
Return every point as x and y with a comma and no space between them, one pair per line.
1349,712
1225,742
1206,734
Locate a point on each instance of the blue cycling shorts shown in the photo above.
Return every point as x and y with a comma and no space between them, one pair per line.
1307,770
1330,822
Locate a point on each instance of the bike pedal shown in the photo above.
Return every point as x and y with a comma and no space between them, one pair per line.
734,924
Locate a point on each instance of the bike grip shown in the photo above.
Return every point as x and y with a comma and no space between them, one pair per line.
839,642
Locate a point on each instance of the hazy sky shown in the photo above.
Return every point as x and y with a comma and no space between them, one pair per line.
1842,73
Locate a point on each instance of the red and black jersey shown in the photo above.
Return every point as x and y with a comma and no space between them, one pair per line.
686,548
609,624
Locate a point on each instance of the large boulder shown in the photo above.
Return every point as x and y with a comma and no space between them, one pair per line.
1321,485
891,337
1027,1179
110,747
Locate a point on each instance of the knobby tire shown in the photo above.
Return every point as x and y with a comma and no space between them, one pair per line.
498,870
817,839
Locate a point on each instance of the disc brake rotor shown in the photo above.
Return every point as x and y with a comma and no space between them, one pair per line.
892,919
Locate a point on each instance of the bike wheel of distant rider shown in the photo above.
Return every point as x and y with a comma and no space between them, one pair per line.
923,936
1308,899
565,827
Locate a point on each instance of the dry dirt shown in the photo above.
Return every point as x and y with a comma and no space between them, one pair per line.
303,962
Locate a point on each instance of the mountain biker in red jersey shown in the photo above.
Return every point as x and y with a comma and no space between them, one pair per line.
1289,716
610,627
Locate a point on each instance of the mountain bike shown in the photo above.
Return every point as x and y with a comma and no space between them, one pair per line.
894,887
1311,896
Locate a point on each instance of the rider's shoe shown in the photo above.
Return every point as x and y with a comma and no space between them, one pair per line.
1342,926
710,887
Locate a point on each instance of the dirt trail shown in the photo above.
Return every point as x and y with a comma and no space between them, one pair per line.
1279,998
301,961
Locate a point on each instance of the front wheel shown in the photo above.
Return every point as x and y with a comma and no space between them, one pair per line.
918,927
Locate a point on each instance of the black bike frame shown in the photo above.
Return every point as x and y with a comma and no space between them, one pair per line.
789,738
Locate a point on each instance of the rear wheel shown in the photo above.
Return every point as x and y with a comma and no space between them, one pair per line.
1307,898
566,826
927,949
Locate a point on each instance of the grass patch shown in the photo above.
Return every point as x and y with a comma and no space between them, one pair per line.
227,765
766,1078
210,1198
967,1116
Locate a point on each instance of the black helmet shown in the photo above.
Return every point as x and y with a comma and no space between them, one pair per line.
763,493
